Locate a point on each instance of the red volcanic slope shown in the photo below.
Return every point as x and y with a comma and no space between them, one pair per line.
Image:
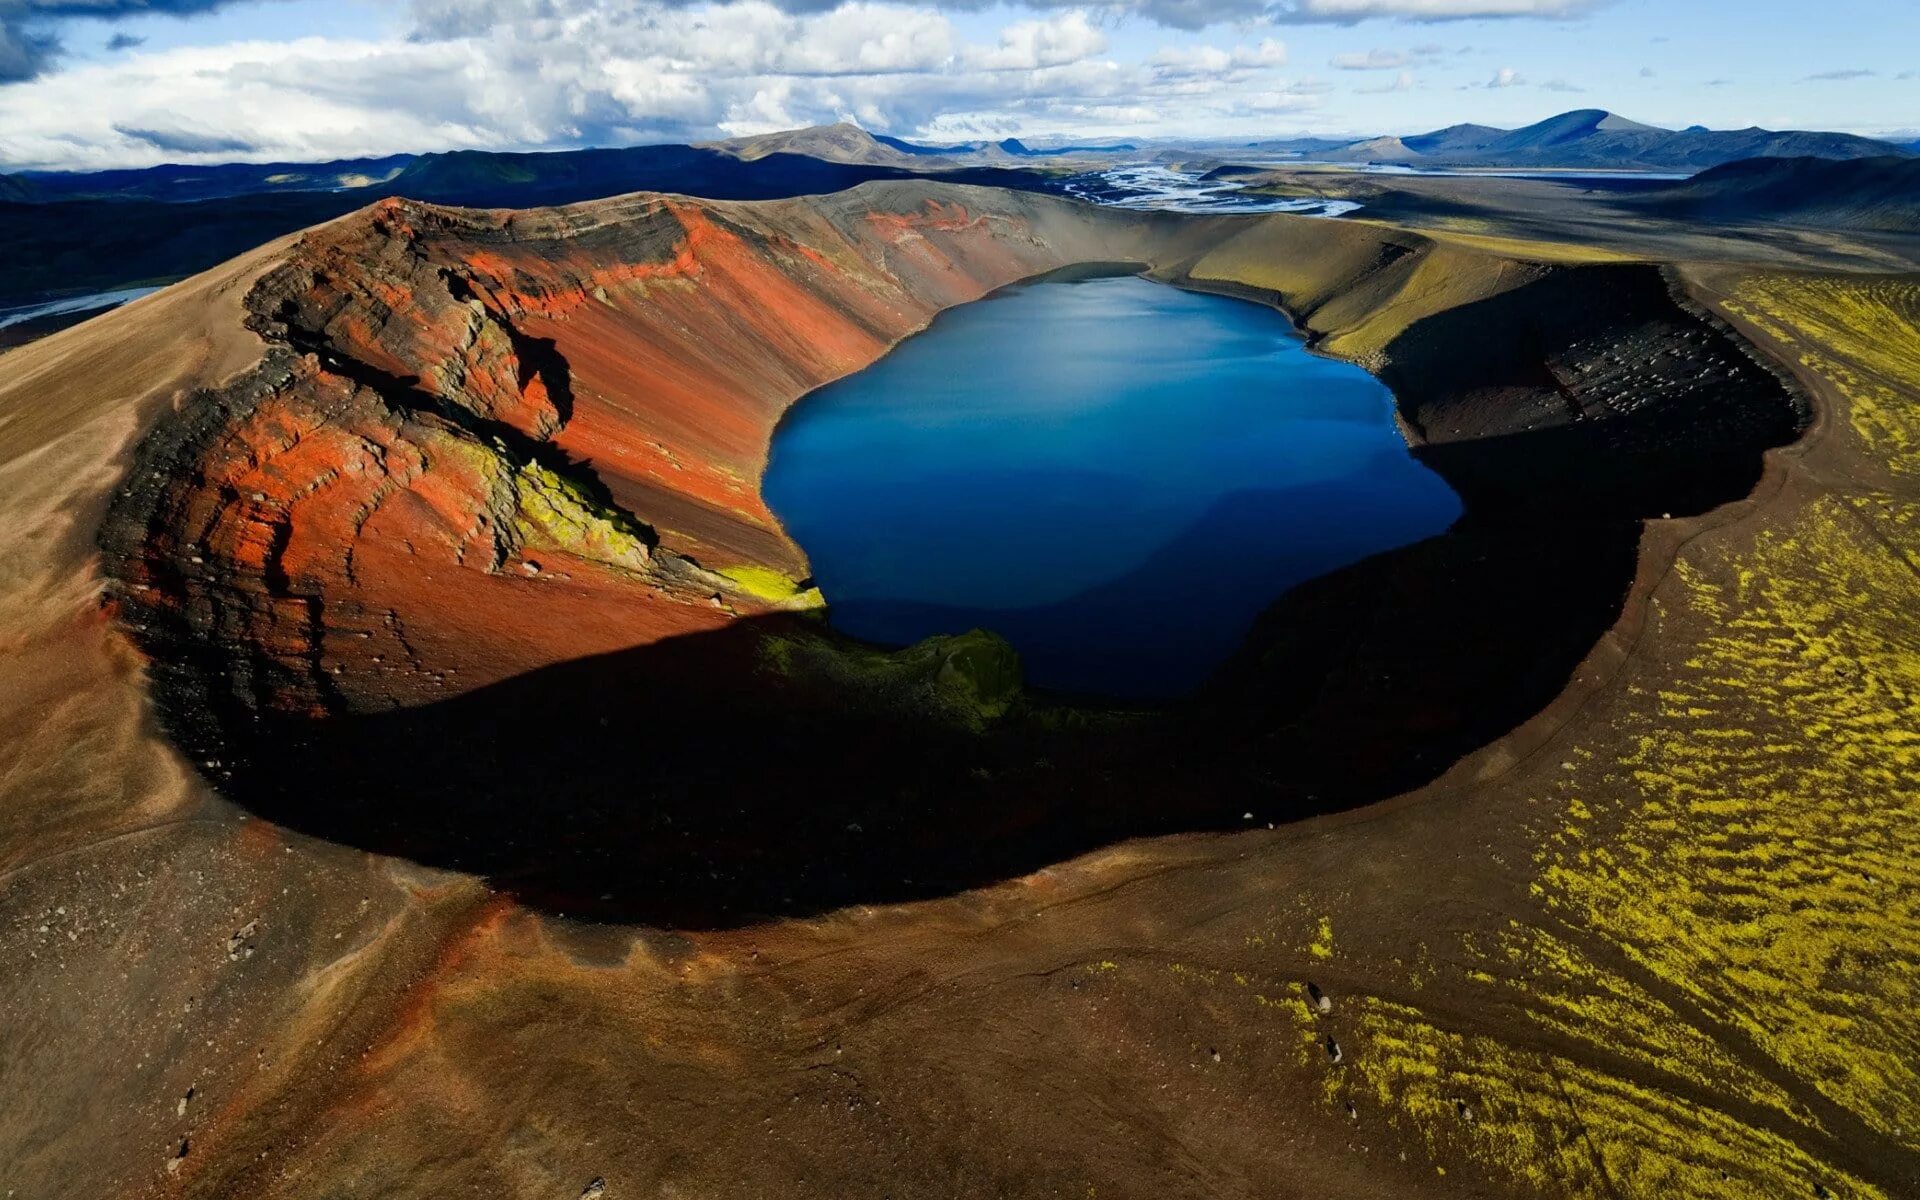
492,441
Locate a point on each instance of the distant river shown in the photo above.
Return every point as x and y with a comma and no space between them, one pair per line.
1148,187
72,304
1115,475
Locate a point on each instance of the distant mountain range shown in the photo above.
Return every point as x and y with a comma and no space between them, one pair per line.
844,143
847,142
62,233
808,160
1591,139
1018,149
1595,139
1586,138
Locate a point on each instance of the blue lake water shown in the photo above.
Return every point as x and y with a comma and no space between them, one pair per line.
1115,475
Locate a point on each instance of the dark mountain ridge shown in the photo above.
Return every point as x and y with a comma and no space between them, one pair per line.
1018,148
1862,194
185,182
1593,138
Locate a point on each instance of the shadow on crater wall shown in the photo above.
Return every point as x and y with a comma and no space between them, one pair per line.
693,783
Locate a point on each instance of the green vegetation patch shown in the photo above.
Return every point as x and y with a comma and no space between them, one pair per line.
554,511
773,587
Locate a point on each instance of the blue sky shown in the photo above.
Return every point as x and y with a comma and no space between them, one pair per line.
145,81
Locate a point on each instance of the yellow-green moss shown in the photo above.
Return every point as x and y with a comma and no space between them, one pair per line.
773,587
1863,335
553,511
1361,285
1486,236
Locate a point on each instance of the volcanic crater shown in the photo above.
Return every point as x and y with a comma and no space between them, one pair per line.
473,568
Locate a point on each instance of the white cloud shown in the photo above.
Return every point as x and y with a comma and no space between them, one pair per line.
1403,82
463,18
1028,45
564,73
1372,60
519,74
1428,10
1283,100
1379,59
1213,61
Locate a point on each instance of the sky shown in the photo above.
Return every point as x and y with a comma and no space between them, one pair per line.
88,84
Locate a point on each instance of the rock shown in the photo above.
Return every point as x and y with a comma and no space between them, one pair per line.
597,1187
1333,1049
239,943
1317,999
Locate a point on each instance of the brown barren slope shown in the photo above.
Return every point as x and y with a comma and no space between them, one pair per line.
456,560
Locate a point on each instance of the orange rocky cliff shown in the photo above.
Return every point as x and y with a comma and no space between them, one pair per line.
481,443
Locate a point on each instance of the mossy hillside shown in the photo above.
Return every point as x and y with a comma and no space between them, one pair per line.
1728,905
1858,333
1361,287
1305,263
1725,912
1490,237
